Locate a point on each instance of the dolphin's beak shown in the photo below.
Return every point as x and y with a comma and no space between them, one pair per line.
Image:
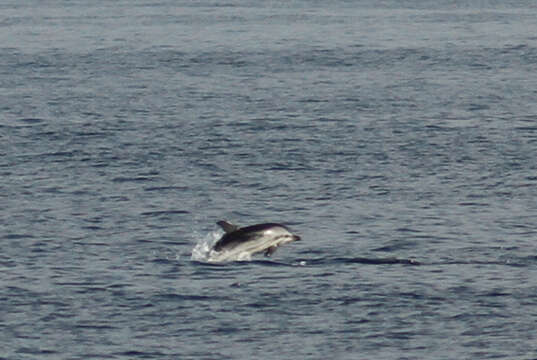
296,237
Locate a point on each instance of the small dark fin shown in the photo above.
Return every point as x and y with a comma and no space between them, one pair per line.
228,227
270,250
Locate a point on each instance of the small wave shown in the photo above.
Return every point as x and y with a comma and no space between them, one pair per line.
163,213
31,121
166,188
122,179
272,263
378,261
358,260
18,236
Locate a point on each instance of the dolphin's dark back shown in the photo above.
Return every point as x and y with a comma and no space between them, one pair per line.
248,233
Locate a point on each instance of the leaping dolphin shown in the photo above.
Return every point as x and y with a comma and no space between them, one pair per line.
239,243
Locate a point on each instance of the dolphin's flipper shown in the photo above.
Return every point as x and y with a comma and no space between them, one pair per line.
270,250
228,227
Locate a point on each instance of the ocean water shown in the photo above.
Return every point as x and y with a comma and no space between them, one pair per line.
398,139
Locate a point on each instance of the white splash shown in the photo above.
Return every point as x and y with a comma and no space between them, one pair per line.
203,250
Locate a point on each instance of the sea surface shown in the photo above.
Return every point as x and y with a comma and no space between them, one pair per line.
397,138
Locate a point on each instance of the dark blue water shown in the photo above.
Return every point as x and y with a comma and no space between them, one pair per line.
400,142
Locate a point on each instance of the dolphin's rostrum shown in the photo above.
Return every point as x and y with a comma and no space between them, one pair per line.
238,243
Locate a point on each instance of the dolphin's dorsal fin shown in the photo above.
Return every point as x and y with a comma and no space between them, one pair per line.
228,227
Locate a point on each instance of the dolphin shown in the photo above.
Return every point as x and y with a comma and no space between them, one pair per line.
242,242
